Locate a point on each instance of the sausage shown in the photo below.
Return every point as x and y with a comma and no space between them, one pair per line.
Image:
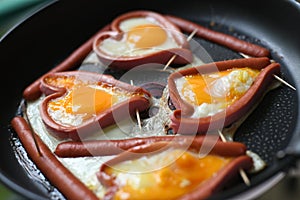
184,54
220,38
33,92
186,108
224,176
58,175
180,123
113,147
239,161
139,100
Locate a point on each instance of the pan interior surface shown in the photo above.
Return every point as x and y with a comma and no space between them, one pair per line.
269,129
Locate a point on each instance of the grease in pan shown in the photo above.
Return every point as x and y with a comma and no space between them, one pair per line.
65,188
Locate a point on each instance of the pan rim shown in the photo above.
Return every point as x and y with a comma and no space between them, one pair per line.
297,128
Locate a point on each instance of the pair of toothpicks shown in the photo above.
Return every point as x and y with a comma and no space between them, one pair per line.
241,171
274,75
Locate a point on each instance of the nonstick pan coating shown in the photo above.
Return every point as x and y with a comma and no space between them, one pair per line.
49,36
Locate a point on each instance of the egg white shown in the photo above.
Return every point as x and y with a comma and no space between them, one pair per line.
69,119
122,48
218,89
85,168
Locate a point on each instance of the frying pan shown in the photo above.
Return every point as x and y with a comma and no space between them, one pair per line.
50,35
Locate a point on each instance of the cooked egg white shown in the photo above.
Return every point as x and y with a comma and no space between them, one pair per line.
83,100
142,35
175,173
85,168
212,93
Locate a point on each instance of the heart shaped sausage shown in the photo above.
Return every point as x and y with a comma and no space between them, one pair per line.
215,95
178,173
141,37
79,103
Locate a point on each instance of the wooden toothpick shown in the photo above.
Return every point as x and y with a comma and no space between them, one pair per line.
241,171
174,56
137,113
169,62
284,82
275,76
138,119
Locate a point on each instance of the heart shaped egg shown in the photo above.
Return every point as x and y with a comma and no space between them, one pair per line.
214,95
179,172
77,100
141,37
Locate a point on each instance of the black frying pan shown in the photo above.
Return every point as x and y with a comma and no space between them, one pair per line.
48,37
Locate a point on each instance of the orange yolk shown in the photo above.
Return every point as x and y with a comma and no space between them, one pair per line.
147,36
170,182
199,84
84,100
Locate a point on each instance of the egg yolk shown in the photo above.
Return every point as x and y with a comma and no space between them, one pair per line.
84,100
146,36
182,176
224,86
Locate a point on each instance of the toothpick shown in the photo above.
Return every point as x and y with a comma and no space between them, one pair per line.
138,119
31,129
284,82
244,55
137,113
170,61
244,177
242,172
174,56
275,76
191,35
222,136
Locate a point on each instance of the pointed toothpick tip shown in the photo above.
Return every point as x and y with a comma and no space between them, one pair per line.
169,62
277,77
191,35
138,119
244,55
137,113
174,56
241,171
284,82
244,177
222,136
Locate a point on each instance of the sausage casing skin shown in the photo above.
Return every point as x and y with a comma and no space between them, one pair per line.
220,38
113,147
53,169
32,92
183,124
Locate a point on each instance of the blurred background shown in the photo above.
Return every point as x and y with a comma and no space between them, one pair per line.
14,12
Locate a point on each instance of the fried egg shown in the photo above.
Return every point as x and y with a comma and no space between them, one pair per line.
176,173
141,35
82,100
212,93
